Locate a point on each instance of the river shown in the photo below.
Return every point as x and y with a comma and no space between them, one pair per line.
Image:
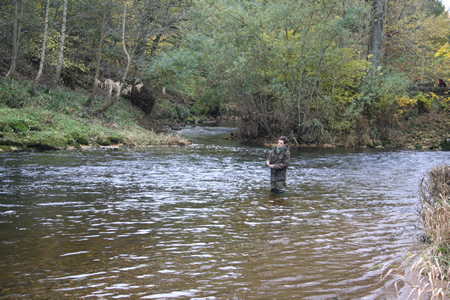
199,222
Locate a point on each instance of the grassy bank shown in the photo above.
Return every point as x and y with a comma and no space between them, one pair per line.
39,118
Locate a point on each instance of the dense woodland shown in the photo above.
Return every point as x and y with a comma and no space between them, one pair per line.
329,71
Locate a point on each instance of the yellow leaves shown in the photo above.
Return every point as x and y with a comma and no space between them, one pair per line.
402,104
419,39
433,96
425,101
444,51
404,101
446,103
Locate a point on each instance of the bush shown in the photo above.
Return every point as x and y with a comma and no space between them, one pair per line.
445,144
81,138
379,93
19,126
14,94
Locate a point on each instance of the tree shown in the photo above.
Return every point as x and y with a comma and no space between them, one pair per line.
144,23
414,31
15,43
61,45
44,43
276,63
99,56
118,85
375,49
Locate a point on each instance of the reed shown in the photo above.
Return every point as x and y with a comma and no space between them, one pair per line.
434,190
421,276
426,275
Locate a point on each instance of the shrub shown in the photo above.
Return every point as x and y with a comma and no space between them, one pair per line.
445,144
19,126
14,93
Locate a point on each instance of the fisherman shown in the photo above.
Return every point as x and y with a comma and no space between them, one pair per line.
278,162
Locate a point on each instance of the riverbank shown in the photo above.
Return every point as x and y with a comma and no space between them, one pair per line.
43,119
39,129
429,131
40,119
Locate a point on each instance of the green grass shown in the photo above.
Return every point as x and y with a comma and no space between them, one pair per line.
40,118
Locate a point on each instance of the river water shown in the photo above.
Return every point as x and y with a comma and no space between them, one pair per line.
199,222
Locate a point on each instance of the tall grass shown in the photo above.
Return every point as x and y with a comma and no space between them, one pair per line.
426,275
423,276
434,192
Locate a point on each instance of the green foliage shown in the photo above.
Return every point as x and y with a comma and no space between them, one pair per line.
14,93
20,94
292,66
382,99
378,91
51,141
378,95
81,138
283,65
166,109
416,31
296,66
18,126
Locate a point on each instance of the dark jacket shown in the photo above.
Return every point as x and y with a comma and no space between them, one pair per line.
280,164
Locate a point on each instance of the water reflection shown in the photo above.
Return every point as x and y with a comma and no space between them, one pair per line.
199,222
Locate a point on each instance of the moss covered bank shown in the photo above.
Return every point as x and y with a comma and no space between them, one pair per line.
40,119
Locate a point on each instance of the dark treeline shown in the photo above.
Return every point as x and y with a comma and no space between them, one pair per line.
319,71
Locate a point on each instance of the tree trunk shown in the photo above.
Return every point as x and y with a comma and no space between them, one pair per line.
115,97
124,44
375,50
12,69
61,46
99,57
44,43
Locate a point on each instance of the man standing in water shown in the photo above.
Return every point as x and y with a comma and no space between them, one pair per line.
278,162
